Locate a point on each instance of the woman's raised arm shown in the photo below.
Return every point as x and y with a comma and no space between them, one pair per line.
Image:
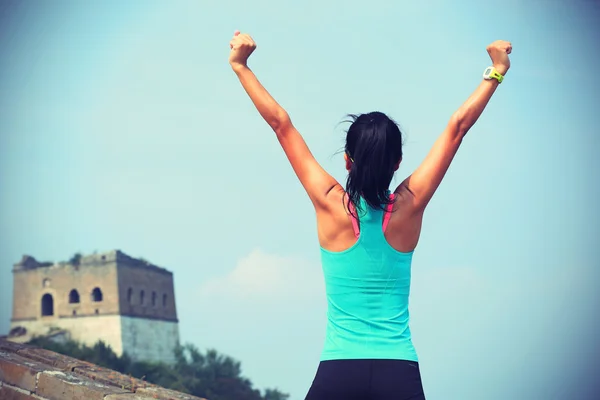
427,177
316,181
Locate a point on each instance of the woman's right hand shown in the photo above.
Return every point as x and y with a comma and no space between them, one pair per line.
499,51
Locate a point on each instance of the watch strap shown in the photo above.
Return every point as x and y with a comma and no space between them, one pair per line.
493,74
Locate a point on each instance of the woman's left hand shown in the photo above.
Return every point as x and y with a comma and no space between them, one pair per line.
242,47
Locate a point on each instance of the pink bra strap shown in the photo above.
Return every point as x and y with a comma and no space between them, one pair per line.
386,218
388,212
354,221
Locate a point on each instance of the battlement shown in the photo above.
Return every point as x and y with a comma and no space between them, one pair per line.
28,263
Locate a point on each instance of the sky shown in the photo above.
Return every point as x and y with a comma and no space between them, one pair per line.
123,127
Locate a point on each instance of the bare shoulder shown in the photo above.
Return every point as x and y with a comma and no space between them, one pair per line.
404,228
333,212
334,225
405,199
335,200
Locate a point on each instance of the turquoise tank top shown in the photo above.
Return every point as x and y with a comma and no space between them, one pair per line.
367,288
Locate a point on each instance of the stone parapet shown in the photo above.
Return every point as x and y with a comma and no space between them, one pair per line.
28,373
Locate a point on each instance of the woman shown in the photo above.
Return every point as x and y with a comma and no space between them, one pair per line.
367,235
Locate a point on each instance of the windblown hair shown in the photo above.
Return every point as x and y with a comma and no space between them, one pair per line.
374,146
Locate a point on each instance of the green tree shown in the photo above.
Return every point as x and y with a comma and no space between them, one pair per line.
76,259
274,394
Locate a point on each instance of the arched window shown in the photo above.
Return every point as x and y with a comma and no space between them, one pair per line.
129,295
153,299
46,282
142,297
47,305
73,296
164,300
96,294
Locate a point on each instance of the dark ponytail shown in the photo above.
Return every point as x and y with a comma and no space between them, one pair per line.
374,147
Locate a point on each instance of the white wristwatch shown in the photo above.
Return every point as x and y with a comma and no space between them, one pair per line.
492,73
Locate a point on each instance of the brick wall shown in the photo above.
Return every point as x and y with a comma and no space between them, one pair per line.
158,292
148,339
28,373
58,280
85,330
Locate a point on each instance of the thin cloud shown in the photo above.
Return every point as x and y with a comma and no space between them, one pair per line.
261,275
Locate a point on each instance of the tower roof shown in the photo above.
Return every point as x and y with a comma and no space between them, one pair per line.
28,262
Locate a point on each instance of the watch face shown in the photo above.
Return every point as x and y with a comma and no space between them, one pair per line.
488,71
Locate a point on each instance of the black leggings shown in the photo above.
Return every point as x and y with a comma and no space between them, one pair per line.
367,380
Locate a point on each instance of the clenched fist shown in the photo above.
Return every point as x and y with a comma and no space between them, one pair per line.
499,51
241,46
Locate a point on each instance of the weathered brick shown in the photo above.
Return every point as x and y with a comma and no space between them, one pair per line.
10,346
165,394
51,358
60,385
19,371
110,377
9,393
128,396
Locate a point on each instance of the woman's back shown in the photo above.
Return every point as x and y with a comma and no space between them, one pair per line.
367,286
334,223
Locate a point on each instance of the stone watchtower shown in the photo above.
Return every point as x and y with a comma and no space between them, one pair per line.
126,302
